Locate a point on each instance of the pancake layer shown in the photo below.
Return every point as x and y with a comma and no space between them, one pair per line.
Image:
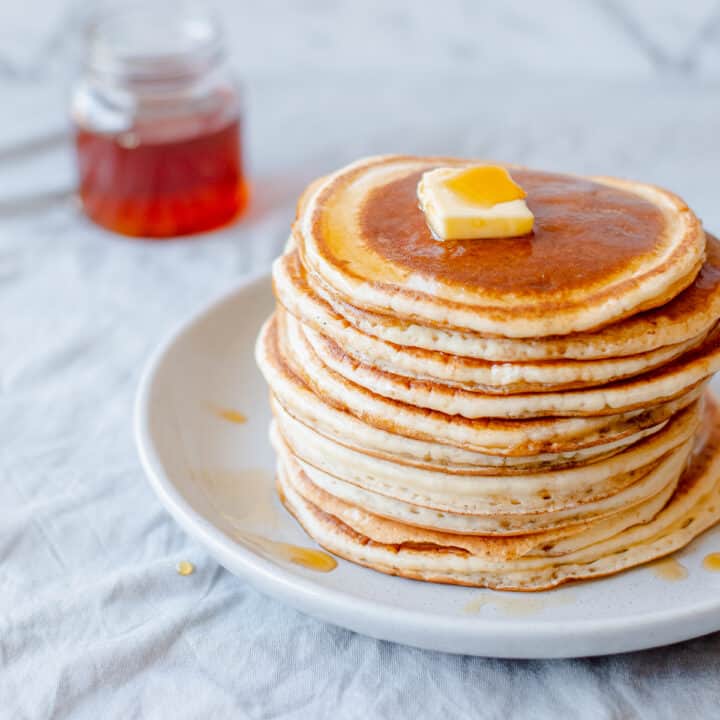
602,249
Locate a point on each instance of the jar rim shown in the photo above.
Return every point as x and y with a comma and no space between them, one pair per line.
125,44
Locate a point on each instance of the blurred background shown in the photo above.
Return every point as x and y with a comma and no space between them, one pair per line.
600,86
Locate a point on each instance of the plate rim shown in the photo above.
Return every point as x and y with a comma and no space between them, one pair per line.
328,603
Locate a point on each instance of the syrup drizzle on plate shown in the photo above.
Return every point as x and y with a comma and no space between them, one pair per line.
244,499
309,558
231,415
259,512
518,604
669,569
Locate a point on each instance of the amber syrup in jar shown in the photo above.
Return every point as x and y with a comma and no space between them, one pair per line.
158,125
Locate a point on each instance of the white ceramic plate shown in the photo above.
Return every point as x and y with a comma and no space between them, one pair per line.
216,478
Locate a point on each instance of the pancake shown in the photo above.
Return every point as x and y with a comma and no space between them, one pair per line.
489,436
639,486
687,316
540,491
510,563
561,535
615,248
346,431
660,385
467,373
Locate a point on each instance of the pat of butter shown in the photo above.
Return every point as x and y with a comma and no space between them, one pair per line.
476,202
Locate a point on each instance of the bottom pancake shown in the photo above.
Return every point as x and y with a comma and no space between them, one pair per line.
516,563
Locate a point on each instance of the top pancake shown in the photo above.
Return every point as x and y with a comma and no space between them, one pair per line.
688,315
601,249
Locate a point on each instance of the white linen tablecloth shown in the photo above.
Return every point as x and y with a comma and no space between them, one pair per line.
94,620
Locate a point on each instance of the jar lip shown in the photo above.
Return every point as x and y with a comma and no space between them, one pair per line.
125,44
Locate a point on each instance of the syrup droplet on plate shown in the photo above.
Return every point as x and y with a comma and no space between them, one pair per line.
317,560
669,569
519,604
308,557
231,415
712,562
475,605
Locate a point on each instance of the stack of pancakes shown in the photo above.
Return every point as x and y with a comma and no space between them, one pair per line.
511,413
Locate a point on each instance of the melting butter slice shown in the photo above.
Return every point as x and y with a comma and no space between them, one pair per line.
482,201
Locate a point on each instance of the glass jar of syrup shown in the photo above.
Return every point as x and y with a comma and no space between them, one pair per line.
158,118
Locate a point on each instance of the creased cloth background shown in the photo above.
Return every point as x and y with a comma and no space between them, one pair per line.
94,620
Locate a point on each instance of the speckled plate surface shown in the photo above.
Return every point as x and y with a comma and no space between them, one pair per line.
201,425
